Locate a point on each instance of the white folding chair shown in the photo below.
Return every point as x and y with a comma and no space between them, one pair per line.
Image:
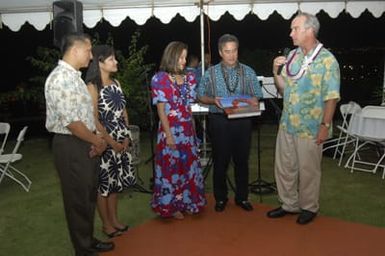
4,131
368,128
6,161
340,143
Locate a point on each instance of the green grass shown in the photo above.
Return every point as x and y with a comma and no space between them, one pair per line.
33,223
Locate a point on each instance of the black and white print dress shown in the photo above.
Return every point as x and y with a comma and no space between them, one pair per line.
116,169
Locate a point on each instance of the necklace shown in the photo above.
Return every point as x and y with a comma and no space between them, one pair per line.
175,80
305,64
181,88
231,84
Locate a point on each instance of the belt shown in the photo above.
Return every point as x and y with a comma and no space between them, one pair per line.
62,134
217,113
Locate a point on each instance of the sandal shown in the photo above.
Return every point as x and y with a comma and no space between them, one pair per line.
113,234
123,229
178,215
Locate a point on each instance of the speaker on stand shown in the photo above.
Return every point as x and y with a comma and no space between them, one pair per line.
67,18
260,186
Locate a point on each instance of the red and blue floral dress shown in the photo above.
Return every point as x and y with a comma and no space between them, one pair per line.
178,179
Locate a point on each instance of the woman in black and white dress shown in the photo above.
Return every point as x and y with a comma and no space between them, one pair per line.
116,170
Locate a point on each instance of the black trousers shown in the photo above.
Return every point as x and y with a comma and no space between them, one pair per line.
78,176
231,140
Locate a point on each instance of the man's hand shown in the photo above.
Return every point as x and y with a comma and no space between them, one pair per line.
253,101
323,134
278,61
99,146
217,102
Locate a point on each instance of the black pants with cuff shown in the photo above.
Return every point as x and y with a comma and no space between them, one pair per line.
231,140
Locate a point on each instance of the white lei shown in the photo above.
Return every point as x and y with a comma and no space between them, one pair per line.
305,64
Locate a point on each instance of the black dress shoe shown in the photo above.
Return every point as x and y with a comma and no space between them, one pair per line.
306,217
278,213
100,246
245,205
220,206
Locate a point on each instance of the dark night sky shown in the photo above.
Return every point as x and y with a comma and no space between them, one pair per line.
344,32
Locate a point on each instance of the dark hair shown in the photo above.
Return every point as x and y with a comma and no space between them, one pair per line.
100,53
191,58
226,38
170,57
69,40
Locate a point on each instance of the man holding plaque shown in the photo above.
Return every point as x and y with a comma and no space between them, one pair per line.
309,82
230,138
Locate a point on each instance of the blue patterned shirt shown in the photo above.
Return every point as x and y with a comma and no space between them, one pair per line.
67,100
241,80
304,99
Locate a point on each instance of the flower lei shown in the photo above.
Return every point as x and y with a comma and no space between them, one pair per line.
305,64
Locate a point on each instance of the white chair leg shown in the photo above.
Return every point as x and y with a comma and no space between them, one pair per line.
379,164
343,150
338,145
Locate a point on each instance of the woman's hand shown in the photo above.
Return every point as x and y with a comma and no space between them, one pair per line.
126,143
117,147
170,142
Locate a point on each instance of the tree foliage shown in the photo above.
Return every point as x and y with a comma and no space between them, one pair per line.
133,77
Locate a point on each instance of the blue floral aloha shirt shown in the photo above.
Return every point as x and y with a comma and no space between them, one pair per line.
304,99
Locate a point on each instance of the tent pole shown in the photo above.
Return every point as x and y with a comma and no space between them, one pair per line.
383,86
202,36
204,142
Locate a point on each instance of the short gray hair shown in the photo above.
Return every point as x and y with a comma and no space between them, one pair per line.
310,22
226,38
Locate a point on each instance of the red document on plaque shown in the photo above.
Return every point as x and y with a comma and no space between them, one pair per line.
239,107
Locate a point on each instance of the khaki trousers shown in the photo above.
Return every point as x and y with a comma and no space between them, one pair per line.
297,172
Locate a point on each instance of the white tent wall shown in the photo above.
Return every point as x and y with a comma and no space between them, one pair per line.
38,13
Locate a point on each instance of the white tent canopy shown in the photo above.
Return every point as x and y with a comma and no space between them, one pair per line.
14,13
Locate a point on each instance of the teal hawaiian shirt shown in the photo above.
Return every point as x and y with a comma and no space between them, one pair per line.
304,99
243,79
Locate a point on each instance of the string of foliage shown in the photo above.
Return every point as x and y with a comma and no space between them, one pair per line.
132,75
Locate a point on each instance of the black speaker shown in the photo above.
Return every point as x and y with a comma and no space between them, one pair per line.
67,18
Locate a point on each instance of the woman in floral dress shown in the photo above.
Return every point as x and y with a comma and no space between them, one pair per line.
178,180
116,170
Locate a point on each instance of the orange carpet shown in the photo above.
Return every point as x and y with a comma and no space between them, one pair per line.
237,232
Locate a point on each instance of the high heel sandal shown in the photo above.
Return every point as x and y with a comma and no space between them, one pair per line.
123,229
116,233
178,215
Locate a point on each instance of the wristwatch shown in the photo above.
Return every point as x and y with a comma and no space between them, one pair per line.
327,125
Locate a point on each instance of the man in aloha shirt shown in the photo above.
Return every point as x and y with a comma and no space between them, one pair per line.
309,83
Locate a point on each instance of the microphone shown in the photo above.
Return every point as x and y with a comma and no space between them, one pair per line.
285,53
